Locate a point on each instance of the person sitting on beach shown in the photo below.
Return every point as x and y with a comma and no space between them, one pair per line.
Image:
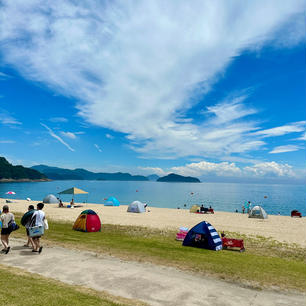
203,210
30,240
60,204
6,218
72,203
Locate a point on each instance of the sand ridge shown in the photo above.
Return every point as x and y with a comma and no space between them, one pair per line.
281,228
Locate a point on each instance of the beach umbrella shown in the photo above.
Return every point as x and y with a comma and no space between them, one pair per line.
73,191
10,192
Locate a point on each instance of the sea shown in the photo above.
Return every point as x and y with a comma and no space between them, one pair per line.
275,199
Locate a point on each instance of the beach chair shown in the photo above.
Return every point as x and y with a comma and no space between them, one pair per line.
232,243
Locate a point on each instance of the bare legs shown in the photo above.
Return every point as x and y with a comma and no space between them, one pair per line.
5,241
30,242
36,242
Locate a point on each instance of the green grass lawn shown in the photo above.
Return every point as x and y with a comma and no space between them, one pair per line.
19,288
265,263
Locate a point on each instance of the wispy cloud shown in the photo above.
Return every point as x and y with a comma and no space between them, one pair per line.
69,135
58,119
51,133
109,136
97,147
7,141
7,119
302,137
286,148
293,127
4,76
121,61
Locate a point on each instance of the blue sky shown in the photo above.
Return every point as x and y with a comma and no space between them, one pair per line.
208,89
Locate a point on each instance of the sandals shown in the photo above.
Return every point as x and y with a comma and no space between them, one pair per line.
7,250
39,250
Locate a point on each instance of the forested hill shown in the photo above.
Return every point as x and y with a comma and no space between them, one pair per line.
10,172
56,173
172,177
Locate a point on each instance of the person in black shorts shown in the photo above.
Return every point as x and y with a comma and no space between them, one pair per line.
30,240
6,218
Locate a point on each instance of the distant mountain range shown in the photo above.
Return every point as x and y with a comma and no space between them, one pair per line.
55,173
8,172
178,178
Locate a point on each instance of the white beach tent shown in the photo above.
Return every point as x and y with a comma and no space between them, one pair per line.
50,199
258,212
136,207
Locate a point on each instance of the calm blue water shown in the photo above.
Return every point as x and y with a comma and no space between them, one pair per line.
221,196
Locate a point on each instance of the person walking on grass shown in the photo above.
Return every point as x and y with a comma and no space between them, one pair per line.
39,217
30,240
6,218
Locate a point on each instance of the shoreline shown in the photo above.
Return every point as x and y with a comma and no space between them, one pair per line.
23,180
279,228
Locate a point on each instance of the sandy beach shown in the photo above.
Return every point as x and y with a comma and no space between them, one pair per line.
281,228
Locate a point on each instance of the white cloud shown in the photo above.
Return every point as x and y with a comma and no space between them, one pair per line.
293,127
270,169
283,149
136,66
98,148
7,141
226,169
109,136
7,119
203,168
4,76
69,135
51,133
154,170
302,137
58,119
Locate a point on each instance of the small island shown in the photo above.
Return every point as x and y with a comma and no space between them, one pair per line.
172,177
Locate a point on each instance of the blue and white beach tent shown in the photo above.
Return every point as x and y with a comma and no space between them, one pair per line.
204,236
112,201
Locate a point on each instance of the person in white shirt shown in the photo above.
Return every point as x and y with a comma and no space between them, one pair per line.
39,216
6,218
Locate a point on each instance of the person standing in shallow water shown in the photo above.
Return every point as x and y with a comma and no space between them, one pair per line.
6,218
39,217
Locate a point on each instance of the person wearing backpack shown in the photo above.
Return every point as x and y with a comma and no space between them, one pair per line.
6,218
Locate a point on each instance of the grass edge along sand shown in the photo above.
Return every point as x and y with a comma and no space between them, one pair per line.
265,264
19,288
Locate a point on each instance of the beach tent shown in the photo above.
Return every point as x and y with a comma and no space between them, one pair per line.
204,236
136,207
258,212
194,208
50,199
87,221
112,201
